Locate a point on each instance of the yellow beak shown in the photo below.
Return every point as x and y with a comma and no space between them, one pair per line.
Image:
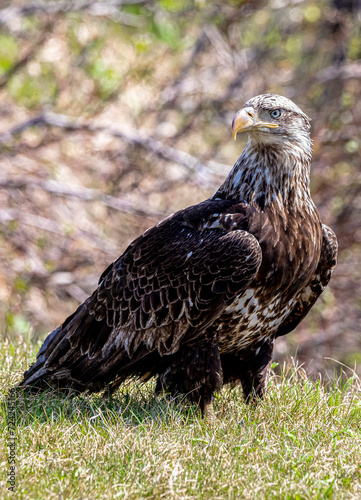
245,120
242,121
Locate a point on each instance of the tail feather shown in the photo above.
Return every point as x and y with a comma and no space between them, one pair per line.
37,371
60,355
72,356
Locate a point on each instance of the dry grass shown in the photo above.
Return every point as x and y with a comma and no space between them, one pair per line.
302,441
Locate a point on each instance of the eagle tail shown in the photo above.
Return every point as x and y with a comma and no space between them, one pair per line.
77,356
70,355
37,372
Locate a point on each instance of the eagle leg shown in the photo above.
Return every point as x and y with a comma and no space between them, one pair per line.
251,368
194,371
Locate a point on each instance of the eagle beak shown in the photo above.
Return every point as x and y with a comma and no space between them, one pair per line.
244,120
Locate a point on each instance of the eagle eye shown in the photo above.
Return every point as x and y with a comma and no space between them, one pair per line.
276,113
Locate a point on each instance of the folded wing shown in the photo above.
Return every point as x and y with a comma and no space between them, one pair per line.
163,292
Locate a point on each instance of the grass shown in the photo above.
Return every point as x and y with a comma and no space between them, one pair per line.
302,442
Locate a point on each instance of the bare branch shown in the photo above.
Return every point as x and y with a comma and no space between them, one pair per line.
110,8
82,193
345,71
201,170
223,51
55,227
170,93
30,53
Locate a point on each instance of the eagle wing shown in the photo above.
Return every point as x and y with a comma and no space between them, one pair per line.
165,290
310,293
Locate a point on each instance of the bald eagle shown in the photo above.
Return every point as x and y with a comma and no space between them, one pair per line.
198,300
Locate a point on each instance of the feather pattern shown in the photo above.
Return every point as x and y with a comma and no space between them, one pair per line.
199,298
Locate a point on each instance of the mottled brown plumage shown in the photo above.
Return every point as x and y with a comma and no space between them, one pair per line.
199,299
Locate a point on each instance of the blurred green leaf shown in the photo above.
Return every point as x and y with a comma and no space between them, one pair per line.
32,91
17,323
174,5
107,78
8,52
167,31
352,145
312,13
21,284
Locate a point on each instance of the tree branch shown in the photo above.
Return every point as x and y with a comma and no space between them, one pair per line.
29,53
345,71
202,170
55,227
82,193
109,8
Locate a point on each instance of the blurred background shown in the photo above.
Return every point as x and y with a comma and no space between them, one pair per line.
116,113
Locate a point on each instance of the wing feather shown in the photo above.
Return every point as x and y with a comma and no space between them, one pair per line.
166,289
310,293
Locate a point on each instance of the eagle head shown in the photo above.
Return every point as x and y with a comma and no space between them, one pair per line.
272,119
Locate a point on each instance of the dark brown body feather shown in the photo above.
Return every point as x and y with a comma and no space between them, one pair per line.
199,298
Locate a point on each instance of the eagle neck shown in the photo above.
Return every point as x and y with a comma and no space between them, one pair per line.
270,177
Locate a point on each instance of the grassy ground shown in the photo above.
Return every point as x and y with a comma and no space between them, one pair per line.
303,441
